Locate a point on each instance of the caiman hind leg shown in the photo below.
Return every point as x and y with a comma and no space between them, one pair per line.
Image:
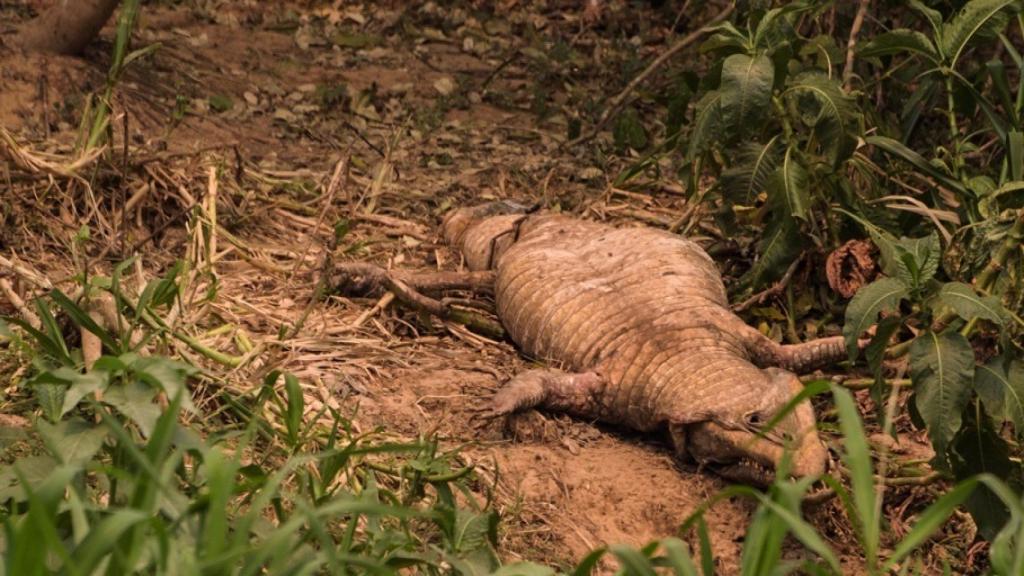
549,389
370,279
797,358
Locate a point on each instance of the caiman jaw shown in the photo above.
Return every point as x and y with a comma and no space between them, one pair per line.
740,453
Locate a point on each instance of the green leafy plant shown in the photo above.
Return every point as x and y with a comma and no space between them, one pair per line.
119,485
777,127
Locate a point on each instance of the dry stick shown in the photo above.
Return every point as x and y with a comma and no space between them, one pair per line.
211,214
773,290
619,100
19,304
339,177
851,45
27,273
381,304
865,383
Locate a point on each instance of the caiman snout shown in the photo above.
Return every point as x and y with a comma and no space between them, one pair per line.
747,452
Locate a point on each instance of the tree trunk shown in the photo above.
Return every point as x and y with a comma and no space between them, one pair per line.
66,27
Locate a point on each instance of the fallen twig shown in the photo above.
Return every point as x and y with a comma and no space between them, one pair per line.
27,315
773,290
851,44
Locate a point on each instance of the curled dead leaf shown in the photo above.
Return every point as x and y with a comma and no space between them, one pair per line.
850,266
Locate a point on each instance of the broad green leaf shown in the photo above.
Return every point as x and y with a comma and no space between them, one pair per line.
34,469
73,441
726,35
709,126
978,18
969,305
75,384
165,374
913,260
775,29
748,176
220,103
788,186
779,246
900,41
866,305
746,92
680,95
135,400
933,16
821,104
1001,390
979,449
1007,196
899,150
50,398
942,371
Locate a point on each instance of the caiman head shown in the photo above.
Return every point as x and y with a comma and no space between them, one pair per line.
745,451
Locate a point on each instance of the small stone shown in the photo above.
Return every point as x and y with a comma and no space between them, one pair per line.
445,85
285,115
400,88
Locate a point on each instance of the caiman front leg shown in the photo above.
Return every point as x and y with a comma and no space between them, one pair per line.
408,288
550,389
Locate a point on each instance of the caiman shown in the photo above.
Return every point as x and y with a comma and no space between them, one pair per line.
636,325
